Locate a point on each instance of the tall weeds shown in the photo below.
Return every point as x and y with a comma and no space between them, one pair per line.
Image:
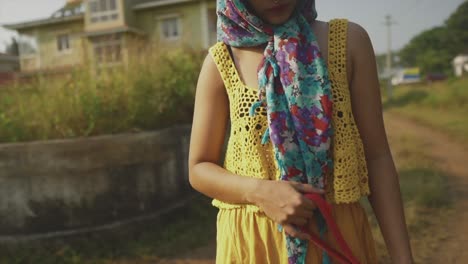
154,90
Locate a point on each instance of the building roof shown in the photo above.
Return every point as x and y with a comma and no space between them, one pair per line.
144,4
72,11
114,30
42,22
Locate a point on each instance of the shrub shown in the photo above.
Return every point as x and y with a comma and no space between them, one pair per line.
155,90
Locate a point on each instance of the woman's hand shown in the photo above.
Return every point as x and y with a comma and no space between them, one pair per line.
284,203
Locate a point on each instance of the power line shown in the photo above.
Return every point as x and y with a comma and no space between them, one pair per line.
389,22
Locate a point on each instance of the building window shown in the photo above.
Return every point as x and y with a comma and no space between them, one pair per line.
63,42
107,49
103,10
170,28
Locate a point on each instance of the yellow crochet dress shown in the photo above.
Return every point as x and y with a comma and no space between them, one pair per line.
244,233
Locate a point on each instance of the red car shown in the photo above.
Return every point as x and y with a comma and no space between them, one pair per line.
434,77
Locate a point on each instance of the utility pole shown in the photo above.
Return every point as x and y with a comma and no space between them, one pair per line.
388,23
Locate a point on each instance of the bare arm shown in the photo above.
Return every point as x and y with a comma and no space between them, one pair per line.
282,201
385,195
207,139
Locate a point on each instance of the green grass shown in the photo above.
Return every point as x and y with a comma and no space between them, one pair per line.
179,231
442,105
424,186
424,189
155,91
426,193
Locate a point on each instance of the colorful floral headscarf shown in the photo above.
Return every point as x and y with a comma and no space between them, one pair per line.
295,89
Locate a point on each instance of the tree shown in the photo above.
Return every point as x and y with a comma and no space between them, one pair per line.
433,50
457,25
428,51
12,48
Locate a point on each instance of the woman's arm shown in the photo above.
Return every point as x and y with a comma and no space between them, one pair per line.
385,195
282,201
210,119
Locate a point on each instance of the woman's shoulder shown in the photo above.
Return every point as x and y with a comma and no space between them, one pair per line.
210,77
356,34
359,46
357,41
358,38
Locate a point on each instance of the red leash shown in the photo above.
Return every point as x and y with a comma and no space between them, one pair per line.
325,208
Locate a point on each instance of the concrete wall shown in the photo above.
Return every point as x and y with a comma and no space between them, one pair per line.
70,184
8,63
8,66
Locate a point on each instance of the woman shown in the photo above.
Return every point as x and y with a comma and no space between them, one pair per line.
306,119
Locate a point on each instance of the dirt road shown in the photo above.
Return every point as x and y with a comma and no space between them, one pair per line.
449,156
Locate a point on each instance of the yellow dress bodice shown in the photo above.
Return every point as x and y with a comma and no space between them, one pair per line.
246,156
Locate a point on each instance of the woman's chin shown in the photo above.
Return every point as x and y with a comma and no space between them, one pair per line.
277,20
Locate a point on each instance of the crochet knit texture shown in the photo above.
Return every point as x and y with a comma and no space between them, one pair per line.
246,156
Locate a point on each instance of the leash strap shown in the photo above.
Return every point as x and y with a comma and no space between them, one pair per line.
325,208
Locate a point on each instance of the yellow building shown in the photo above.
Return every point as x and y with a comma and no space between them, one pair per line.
102,31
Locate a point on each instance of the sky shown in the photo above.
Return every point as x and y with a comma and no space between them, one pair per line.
411,16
